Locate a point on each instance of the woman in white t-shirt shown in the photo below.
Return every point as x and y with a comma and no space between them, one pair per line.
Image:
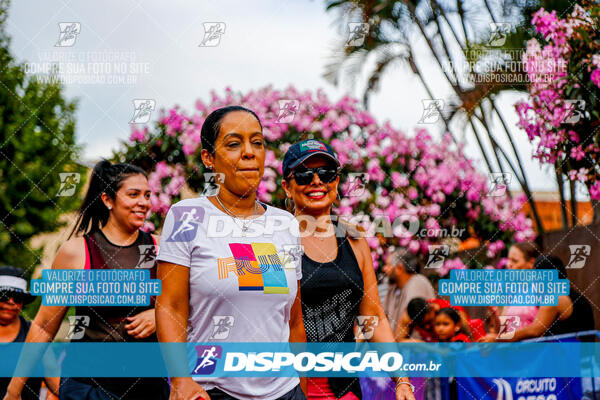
221,264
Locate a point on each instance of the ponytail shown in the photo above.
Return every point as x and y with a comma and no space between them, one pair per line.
106,178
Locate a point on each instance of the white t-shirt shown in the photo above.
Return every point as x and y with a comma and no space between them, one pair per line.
239,289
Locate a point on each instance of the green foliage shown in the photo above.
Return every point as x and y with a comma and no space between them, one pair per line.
37,142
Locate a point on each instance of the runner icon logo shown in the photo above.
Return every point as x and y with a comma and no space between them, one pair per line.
68,34
77,325
498,183
211,183
579,255
366,325
68,183
186,223
222,326
356,183
287,111
498,33
142,110
508,326
212,34
432,111
207,359
147,256
437,255
357,32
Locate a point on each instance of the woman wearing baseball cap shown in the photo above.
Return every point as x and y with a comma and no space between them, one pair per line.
337,269
14,328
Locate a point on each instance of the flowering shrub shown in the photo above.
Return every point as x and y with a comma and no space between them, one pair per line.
425,184
562,113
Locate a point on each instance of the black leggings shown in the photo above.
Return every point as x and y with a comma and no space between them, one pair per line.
294,394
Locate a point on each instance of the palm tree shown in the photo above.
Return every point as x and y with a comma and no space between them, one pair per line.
457,32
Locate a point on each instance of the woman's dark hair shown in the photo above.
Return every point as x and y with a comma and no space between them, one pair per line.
417,308
212,125
106,178
450,312
549,261
529,249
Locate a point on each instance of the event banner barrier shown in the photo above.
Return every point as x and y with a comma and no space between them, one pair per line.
492,360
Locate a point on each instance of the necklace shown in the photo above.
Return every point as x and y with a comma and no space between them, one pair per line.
245,221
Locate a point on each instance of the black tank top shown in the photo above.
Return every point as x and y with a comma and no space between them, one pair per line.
107,324
580,320
331,294
31,391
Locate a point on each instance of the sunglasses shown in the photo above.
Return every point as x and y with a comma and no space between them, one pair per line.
17,297
304,176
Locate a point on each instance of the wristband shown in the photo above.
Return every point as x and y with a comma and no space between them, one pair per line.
412,387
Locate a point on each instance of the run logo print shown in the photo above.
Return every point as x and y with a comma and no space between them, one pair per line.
68,33
357,32
287,111
257,267
365,325
142,110
222,326
77,325
207,359
186,223
508,326
579,255
212,34
68,183
147,256
437,255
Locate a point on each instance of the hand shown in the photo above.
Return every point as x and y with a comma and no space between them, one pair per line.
404,392
187,389
142,325
490,337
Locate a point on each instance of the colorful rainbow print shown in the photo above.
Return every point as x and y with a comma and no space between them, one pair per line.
257,267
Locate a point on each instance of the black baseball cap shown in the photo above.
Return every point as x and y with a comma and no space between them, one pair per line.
301,151
12,281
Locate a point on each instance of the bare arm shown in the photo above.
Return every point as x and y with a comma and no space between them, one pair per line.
46,323
371,306
143,324
172,311
543,320
297,331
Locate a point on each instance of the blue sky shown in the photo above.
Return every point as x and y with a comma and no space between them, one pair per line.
265,42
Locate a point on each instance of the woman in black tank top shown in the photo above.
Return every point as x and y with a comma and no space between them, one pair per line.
340,300
110,218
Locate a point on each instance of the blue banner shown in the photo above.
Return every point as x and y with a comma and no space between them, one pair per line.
491,360
519,388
